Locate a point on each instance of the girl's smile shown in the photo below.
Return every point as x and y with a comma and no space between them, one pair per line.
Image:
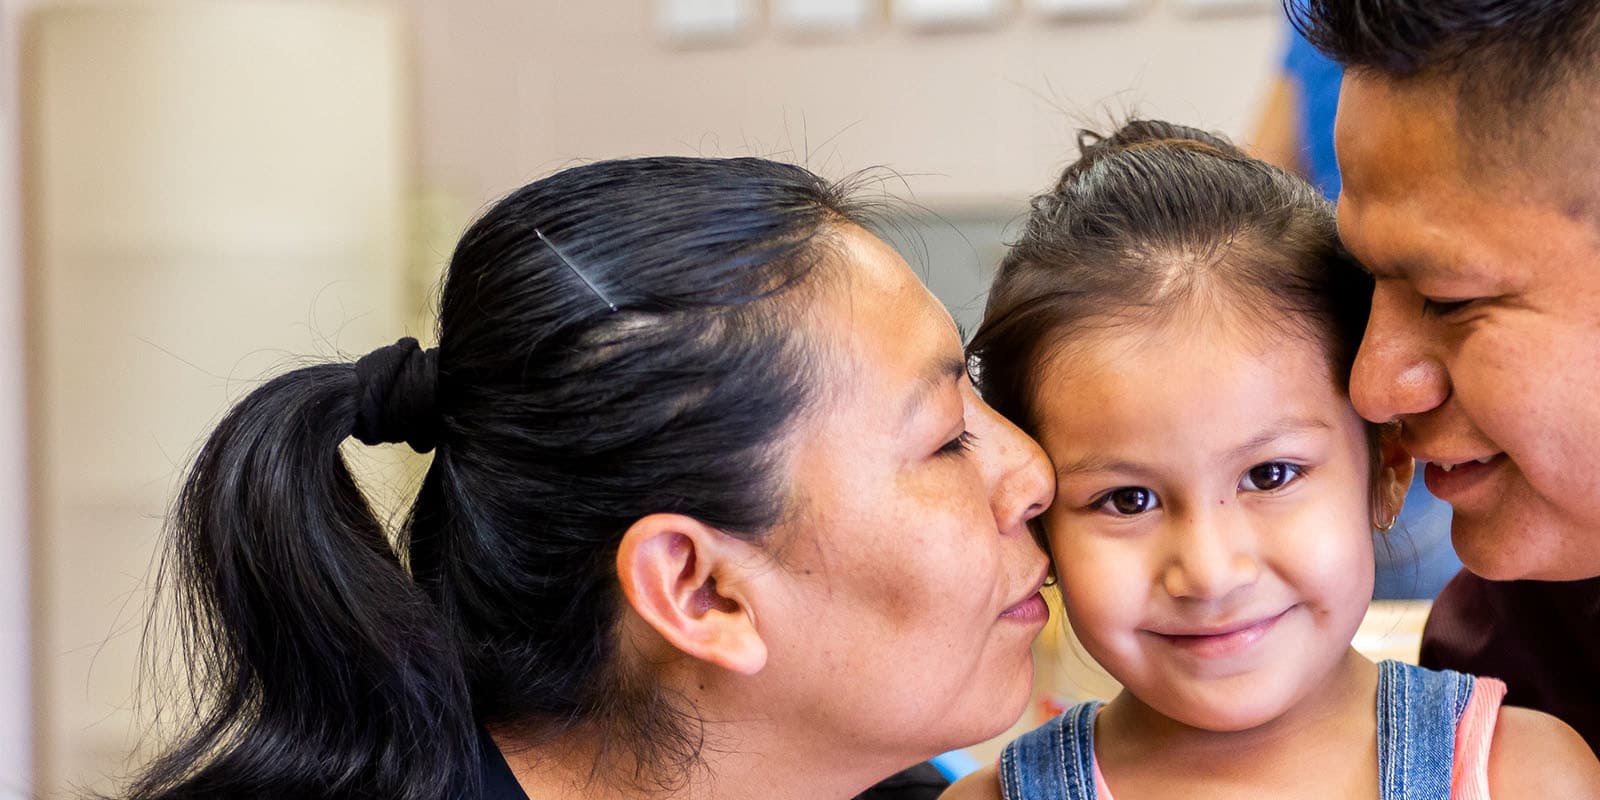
1214,542
1215,641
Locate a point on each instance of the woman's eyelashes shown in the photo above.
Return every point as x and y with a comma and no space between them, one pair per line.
957,446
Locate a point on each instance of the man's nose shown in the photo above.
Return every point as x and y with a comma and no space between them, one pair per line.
1397,372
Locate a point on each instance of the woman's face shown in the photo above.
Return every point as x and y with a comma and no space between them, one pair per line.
909,596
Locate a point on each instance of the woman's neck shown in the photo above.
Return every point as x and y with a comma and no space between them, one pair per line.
1338,717
759,762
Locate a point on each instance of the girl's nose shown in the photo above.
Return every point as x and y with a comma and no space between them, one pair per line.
1208,561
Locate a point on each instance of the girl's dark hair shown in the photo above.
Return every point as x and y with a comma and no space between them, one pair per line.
1155,220
616,340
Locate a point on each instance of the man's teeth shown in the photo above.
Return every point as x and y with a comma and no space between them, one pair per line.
1449,467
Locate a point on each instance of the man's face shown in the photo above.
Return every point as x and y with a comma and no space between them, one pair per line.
1485,333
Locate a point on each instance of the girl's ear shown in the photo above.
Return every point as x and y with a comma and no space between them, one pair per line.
693,585
1395,470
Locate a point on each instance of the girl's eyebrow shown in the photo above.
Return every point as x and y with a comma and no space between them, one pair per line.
1280,429
1100,463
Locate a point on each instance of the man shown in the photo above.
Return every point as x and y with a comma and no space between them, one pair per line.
1294,130
1471,168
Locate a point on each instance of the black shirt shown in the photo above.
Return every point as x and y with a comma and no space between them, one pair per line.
1541,638
921,782
498,781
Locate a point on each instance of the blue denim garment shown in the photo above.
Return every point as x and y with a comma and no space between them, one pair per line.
1418,711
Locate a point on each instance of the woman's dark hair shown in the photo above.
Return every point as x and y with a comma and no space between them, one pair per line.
1157,220
616,340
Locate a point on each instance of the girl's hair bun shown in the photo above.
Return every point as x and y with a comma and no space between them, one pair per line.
1140,134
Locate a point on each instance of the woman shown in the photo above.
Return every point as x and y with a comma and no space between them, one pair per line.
713,512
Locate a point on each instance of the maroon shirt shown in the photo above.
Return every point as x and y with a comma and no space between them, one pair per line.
1542,639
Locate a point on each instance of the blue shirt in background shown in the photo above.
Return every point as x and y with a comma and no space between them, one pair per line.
1318,79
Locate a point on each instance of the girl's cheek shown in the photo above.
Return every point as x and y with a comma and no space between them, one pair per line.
1101,586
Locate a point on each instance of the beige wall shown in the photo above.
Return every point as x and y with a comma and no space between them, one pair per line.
513,89
215,191
16,703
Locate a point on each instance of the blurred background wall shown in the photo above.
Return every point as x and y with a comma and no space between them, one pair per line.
191,194
974,116
16,647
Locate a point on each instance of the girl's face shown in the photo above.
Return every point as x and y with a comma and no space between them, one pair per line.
1212,527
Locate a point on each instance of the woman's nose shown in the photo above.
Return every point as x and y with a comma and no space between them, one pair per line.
1021,481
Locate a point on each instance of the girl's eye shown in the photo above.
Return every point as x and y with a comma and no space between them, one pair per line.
1438,308
958,445
1128,501
1269,476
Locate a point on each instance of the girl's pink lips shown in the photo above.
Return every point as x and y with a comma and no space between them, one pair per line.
1031,610
1212,641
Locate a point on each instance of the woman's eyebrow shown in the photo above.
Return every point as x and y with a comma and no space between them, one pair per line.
943,370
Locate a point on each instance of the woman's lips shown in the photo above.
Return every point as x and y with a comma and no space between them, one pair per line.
1218,641
1031,610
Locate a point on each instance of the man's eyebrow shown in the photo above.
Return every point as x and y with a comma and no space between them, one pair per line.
1417,268
1380,272
942,371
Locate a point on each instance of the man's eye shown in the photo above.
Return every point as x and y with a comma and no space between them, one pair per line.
1269,476
1128,501
1437,308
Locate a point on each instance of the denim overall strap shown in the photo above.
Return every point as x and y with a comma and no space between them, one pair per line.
1418,710
1054,761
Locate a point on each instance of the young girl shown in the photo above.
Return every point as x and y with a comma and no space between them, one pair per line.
1177,327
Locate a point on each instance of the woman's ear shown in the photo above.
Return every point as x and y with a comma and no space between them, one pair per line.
1395,470
692,583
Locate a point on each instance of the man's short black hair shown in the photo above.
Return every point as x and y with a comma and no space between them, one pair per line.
1504,55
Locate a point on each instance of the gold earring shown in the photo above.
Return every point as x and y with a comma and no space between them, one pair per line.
1385,527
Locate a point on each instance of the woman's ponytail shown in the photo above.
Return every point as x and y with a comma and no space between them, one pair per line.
617,340
326,671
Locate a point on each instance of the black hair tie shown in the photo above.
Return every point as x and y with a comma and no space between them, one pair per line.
397,396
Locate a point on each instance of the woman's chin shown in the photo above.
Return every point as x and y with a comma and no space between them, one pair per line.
1001,712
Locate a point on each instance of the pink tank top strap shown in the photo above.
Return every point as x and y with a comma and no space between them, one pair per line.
1101,791
1469,779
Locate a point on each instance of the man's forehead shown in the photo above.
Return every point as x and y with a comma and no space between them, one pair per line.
1391,137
